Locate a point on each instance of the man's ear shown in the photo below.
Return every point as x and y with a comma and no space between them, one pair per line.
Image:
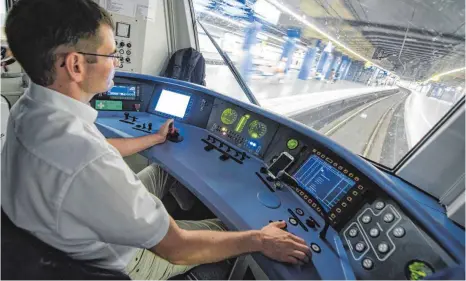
75,66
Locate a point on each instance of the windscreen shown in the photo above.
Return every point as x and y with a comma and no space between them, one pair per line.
375,76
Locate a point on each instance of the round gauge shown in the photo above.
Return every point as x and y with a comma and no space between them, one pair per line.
229,116
257,129
418,270
292,144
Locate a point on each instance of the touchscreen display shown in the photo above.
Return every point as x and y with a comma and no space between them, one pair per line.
323,181
172,103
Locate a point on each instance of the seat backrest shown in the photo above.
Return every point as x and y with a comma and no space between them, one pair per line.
26,257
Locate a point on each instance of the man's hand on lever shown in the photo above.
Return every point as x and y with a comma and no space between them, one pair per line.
130,146
189,247
284,246
165,130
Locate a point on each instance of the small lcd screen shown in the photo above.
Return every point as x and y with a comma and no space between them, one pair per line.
123,92
172,103
323,181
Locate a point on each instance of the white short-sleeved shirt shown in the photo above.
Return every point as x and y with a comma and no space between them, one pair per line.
63,182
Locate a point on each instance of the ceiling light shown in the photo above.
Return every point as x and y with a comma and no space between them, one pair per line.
310,25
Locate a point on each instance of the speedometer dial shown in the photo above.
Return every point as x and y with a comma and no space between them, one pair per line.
229,116
257,129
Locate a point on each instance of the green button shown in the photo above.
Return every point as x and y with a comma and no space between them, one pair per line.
109,105
292,144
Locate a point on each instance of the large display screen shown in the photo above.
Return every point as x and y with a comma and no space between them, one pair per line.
173,104
123,92
323,181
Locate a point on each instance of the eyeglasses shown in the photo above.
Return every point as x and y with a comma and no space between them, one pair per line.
115,56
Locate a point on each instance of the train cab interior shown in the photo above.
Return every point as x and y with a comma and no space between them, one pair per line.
364,158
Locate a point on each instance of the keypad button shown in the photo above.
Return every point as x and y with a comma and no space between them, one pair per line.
374,232
388,217
399,232
383,248
360,246
366,219
299,212
353,232
367,264
379,205
315,247
293,221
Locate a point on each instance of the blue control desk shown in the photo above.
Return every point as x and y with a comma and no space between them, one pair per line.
227,142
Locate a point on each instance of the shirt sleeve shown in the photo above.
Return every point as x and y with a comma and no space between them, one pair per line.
107,202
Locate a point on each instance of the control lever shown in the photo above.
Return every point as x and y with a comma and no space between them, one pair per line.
289,180
173,135
126,115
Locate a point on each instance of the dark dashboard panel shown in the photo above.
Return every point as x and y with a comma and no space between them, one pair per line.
245,129
383,243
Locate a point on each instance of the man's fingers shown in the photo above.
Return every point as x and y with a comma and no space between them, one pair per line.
298,239
292,260
279,224
300,256
302,248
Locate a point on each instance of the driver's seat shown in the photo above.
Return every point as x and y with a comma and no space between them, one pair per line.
26,257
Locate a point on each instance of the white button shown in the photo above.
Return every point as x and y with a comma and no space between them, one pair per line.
388,217
383,247
360,246
399,232
353,232
366,219
379,205
374,232
293,221
315,247
367,264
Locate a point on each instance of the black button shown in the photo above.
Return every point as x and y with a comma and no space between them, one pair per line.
315,247
128,60
122,44
299,212
128,45
311,223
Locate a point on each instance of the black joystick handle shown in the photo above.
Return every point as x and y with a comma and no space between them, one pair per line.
126,115
173,135
289,180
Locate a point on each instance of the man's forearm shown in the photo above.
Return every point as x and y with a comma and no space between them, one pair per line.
205,246
130,146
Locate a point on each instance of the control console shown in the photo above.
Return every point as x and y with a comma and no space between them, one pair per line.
223,158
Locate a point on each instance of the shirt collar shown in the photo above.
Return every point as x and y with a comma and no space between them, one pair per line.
62,102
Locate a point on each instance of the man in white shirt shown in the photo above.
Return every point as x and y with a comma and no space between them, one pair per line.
70,187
